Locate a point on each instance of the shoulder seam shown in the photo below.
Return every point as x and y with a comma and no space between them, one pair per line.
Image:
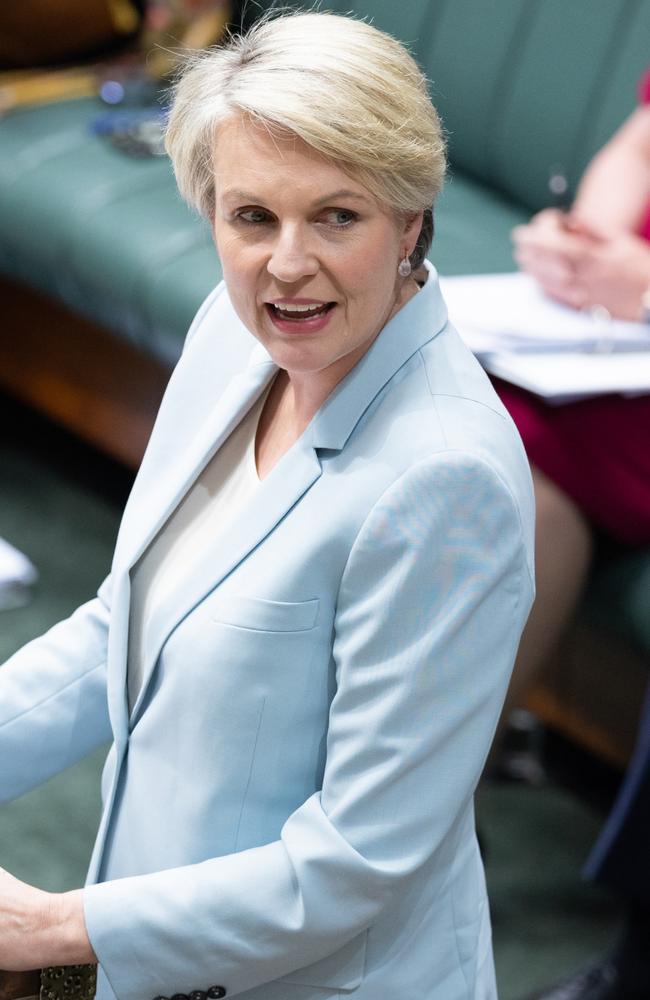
451,395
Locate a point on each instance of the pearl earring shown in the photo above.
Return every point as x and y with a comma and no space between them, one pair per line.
404,266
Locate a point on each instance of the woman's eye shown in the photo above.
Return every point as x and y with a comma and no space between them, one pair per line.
340,217
253,215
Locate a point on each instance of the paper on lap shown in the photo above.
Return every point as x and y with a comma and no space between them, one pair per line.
561,354
498,312
574,376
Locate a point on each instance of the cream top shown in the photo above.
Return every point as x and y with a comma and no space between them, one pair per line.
206,511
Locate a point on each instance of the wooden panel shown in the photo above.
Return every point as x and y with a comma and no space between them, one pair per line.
592,691
84,377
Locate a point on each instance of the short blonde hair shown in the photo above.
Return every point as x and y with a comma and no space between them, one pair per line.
351,92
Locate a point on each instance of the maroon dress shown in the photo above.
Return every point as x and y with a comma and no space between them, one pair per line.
596,450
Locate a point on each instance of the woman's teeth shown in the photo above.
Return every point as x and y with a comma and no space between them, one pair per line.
292,310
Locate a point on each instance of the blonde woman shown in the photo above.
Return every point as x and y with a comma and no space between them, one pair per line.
319,583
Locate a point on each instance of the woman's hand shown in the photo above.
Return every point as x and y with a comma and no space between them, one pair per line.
583,270
40,928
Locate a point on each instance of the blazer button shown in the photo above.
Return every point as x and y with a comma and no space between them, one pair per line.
161,998
216,992
198,995
180,996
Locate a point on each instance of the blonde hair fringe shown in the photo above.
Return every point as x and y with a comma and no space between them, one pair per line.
350,91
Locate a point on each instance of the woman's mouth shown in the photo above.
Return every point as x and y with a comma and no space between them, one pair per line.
300,317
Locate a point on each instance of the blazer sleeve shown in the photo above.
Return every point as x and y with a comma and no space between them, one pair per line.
432,601
53,705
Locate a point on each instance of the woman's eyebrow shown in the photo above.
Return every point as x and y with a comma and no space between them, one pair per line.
237,195
343,193
252,199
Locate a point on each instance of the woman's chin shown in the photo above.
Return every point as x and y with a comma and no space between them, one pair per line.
298,360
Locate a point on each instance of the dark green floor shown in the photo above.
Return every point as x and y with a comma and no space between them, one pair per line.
60,503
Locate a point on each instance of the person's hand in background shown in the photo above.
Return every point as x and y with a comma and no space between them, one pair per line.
595,255
581,269
547,248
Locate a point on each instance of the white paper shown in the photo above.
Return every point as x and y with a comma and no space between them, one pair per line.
566,376
509,312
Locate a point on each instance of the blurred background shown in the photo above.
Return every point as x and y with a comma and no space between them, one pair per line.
102,268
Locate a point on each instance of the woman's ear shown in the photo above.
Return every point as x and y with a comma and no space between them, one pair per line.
412,227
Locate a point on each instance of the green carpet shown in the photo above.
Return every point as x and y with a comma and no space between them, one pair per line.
60,503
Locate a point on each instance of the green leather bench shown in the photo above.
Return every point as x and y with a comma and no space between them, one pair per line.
103,267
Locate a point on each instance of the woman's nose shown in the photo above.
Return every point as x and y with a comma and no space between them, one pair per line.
292,257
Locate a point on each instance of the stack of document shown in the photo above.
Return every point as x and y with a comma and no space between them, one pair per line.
17,576
521,335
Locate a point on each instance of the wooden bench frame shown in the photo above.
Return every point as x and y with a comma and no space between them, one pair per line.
102,388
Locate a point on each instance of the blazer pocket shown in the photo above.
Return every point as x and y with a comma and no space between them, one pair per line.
261,615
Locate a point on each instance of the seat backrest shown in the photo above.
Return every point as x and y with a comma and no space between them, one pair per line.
528,87
525,87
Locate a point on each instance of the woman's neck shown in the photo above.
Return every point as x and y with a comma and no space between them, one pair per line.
295,397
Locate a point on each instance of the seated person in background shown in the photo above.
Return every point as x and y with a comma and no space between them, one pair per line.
591,469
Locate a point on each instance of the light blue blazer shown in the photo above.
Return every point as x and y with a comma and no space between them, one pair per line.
288,810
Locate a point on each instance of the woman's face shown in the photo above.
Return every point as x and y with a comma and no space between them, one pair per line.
309,256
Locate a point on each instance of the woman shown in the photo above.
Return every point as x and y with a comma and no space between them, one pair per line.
591,462
591,470
319,584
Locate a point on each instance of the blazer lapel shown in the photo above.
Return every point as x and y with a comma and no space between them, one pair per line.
274,497
165,485
162,487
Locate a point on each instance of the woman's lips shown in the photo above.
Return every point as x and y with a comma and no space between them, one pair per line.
300,317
